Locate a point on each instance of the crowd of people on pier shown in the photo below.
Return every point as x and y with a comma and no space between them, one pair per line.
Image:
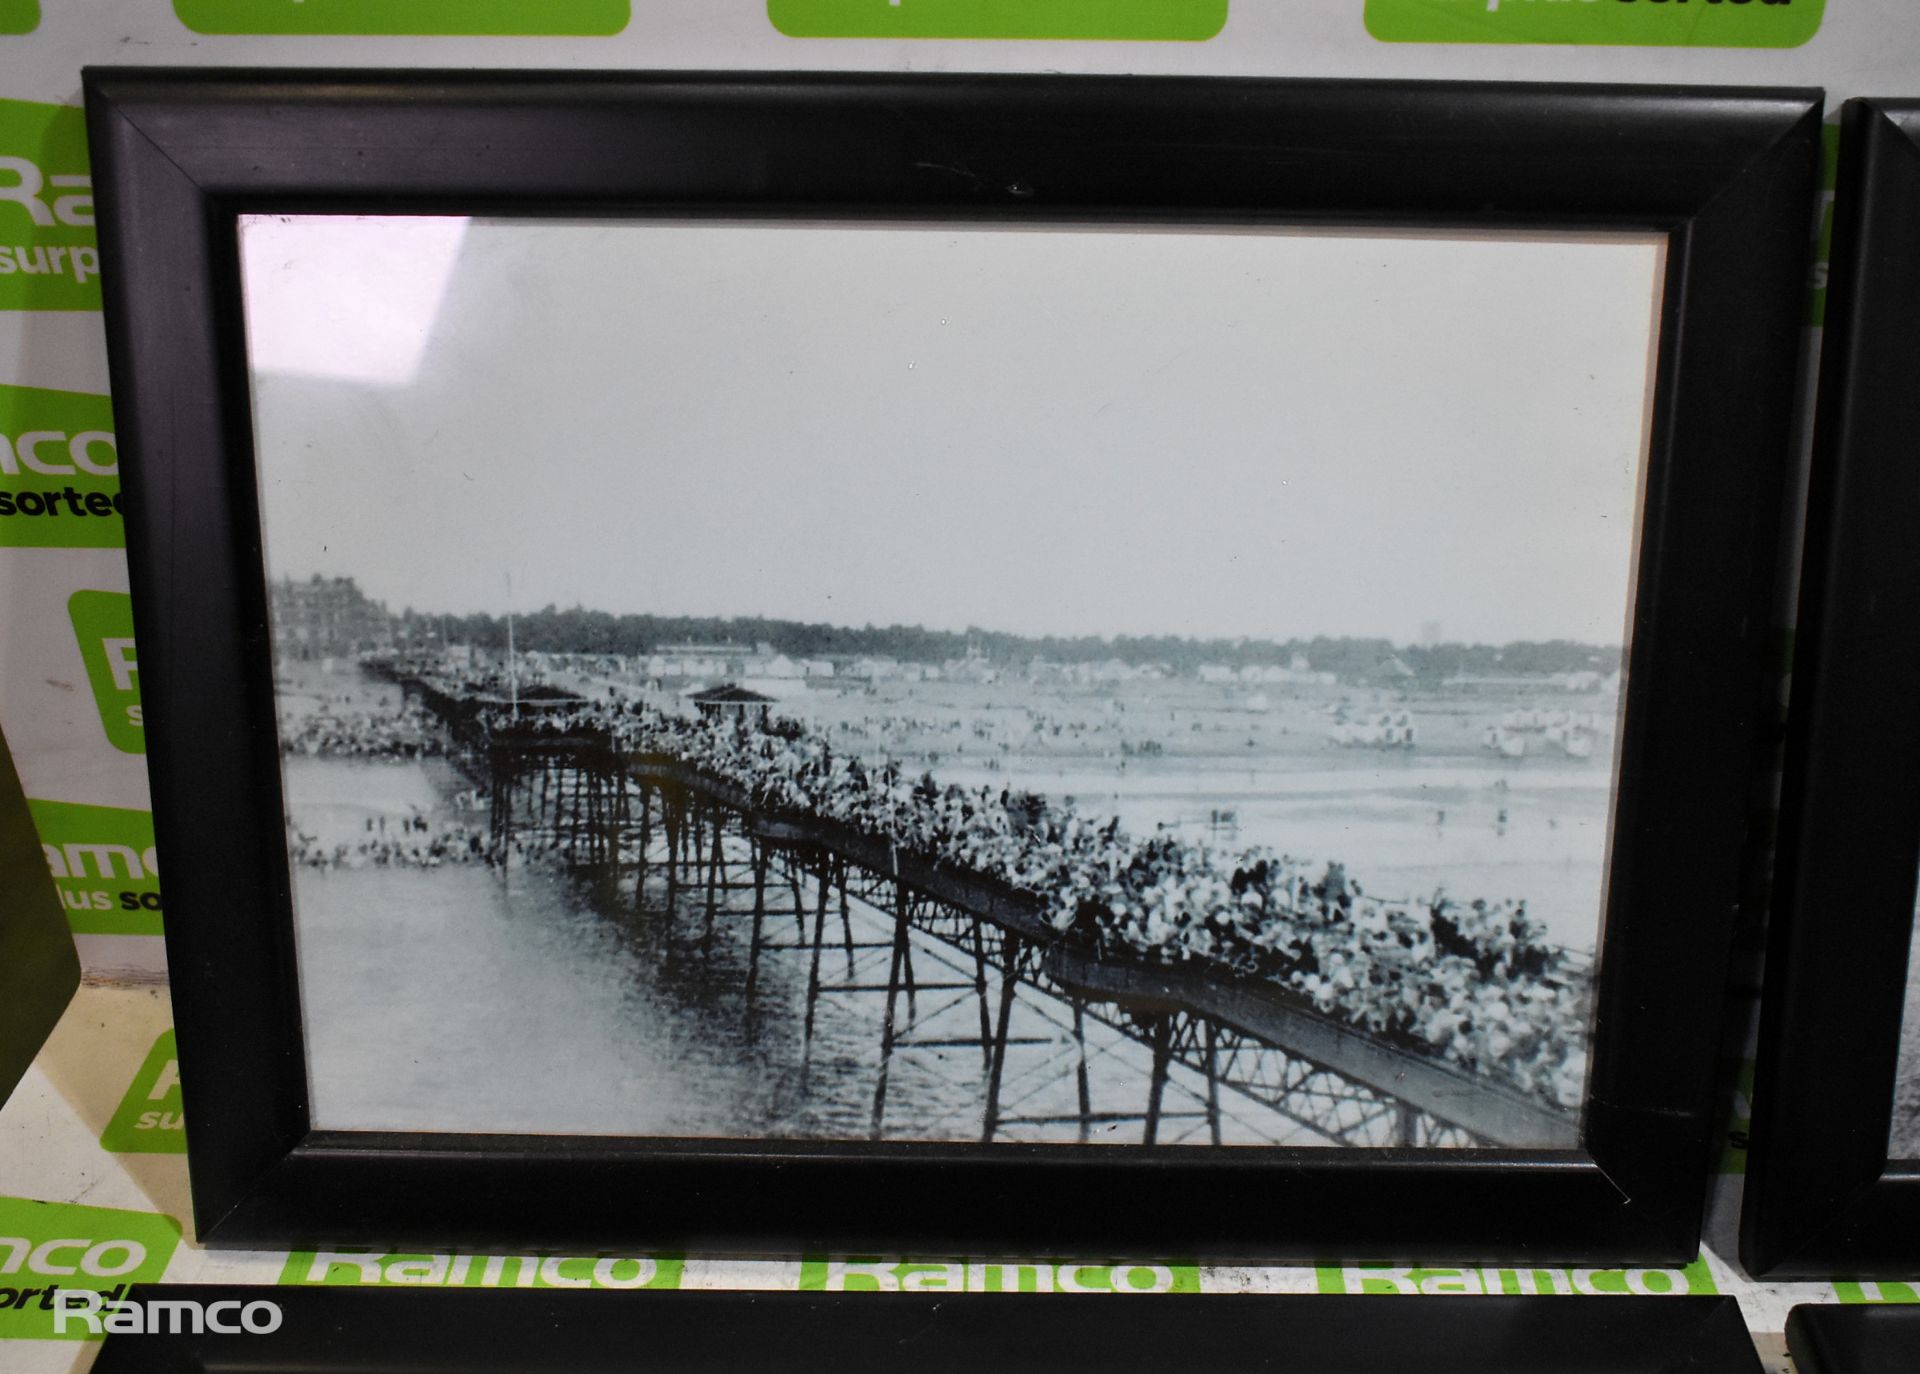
1474,983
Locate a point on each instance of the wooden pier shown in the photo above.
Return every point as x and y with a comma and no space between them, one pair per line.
646,827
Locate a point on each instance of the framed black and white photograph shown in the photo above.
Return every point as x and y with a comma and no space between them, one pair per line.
950,752
1834,1176
172,1327
1148,665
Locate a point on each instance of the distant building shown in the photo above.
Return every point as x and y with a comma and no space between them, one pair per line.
698,661
690,661
326,617
1113,670
975,667
783,666
874,669
1274,674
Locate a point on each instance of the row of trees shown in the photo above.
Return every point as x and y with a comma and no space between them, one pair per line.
578,630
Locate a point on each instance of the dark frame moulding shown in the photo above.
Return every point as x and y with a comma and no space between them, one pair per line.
1877,1338
39,966
1726,175
341,1330
1822,1196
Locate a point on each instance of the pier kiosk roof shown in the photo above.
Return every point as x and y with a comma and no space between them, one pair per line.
731,699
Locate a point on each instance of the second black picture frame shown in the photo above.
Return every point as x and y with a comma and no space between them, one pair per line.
1827,1190
1720,180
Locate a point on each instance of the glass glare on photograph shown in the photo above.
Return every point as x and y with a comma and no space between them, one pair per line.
1063,683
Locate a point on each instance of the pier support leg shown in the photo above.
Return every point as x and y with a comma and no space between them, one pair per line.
846,917
980,994
1009,986
904,902
602,838
799,902
574,804
813,967
886,1024
1083,1081
675,820
640,859
596,821
1156,1089
1213,1082
713,883
759,919
622,816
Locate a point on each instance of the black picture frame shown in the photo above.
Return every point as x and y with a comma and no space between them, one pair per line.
1877,1338
340,1330
39,966
1726,175
1822,1197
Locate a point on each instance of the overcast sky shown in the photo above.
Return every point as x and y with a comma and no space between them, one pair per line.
1220,433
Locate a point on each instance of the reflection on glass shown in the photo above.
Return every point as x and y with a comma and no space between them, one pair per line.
1059,684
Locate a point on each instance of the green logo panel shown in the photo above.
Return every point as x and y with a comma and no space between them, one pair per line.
886,1274
1637,23
59,471
49,256
380,1269
512,18
1695,1280
19,16
103,624
148,1119
1876,1291
1151,20
49,1246
104,865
